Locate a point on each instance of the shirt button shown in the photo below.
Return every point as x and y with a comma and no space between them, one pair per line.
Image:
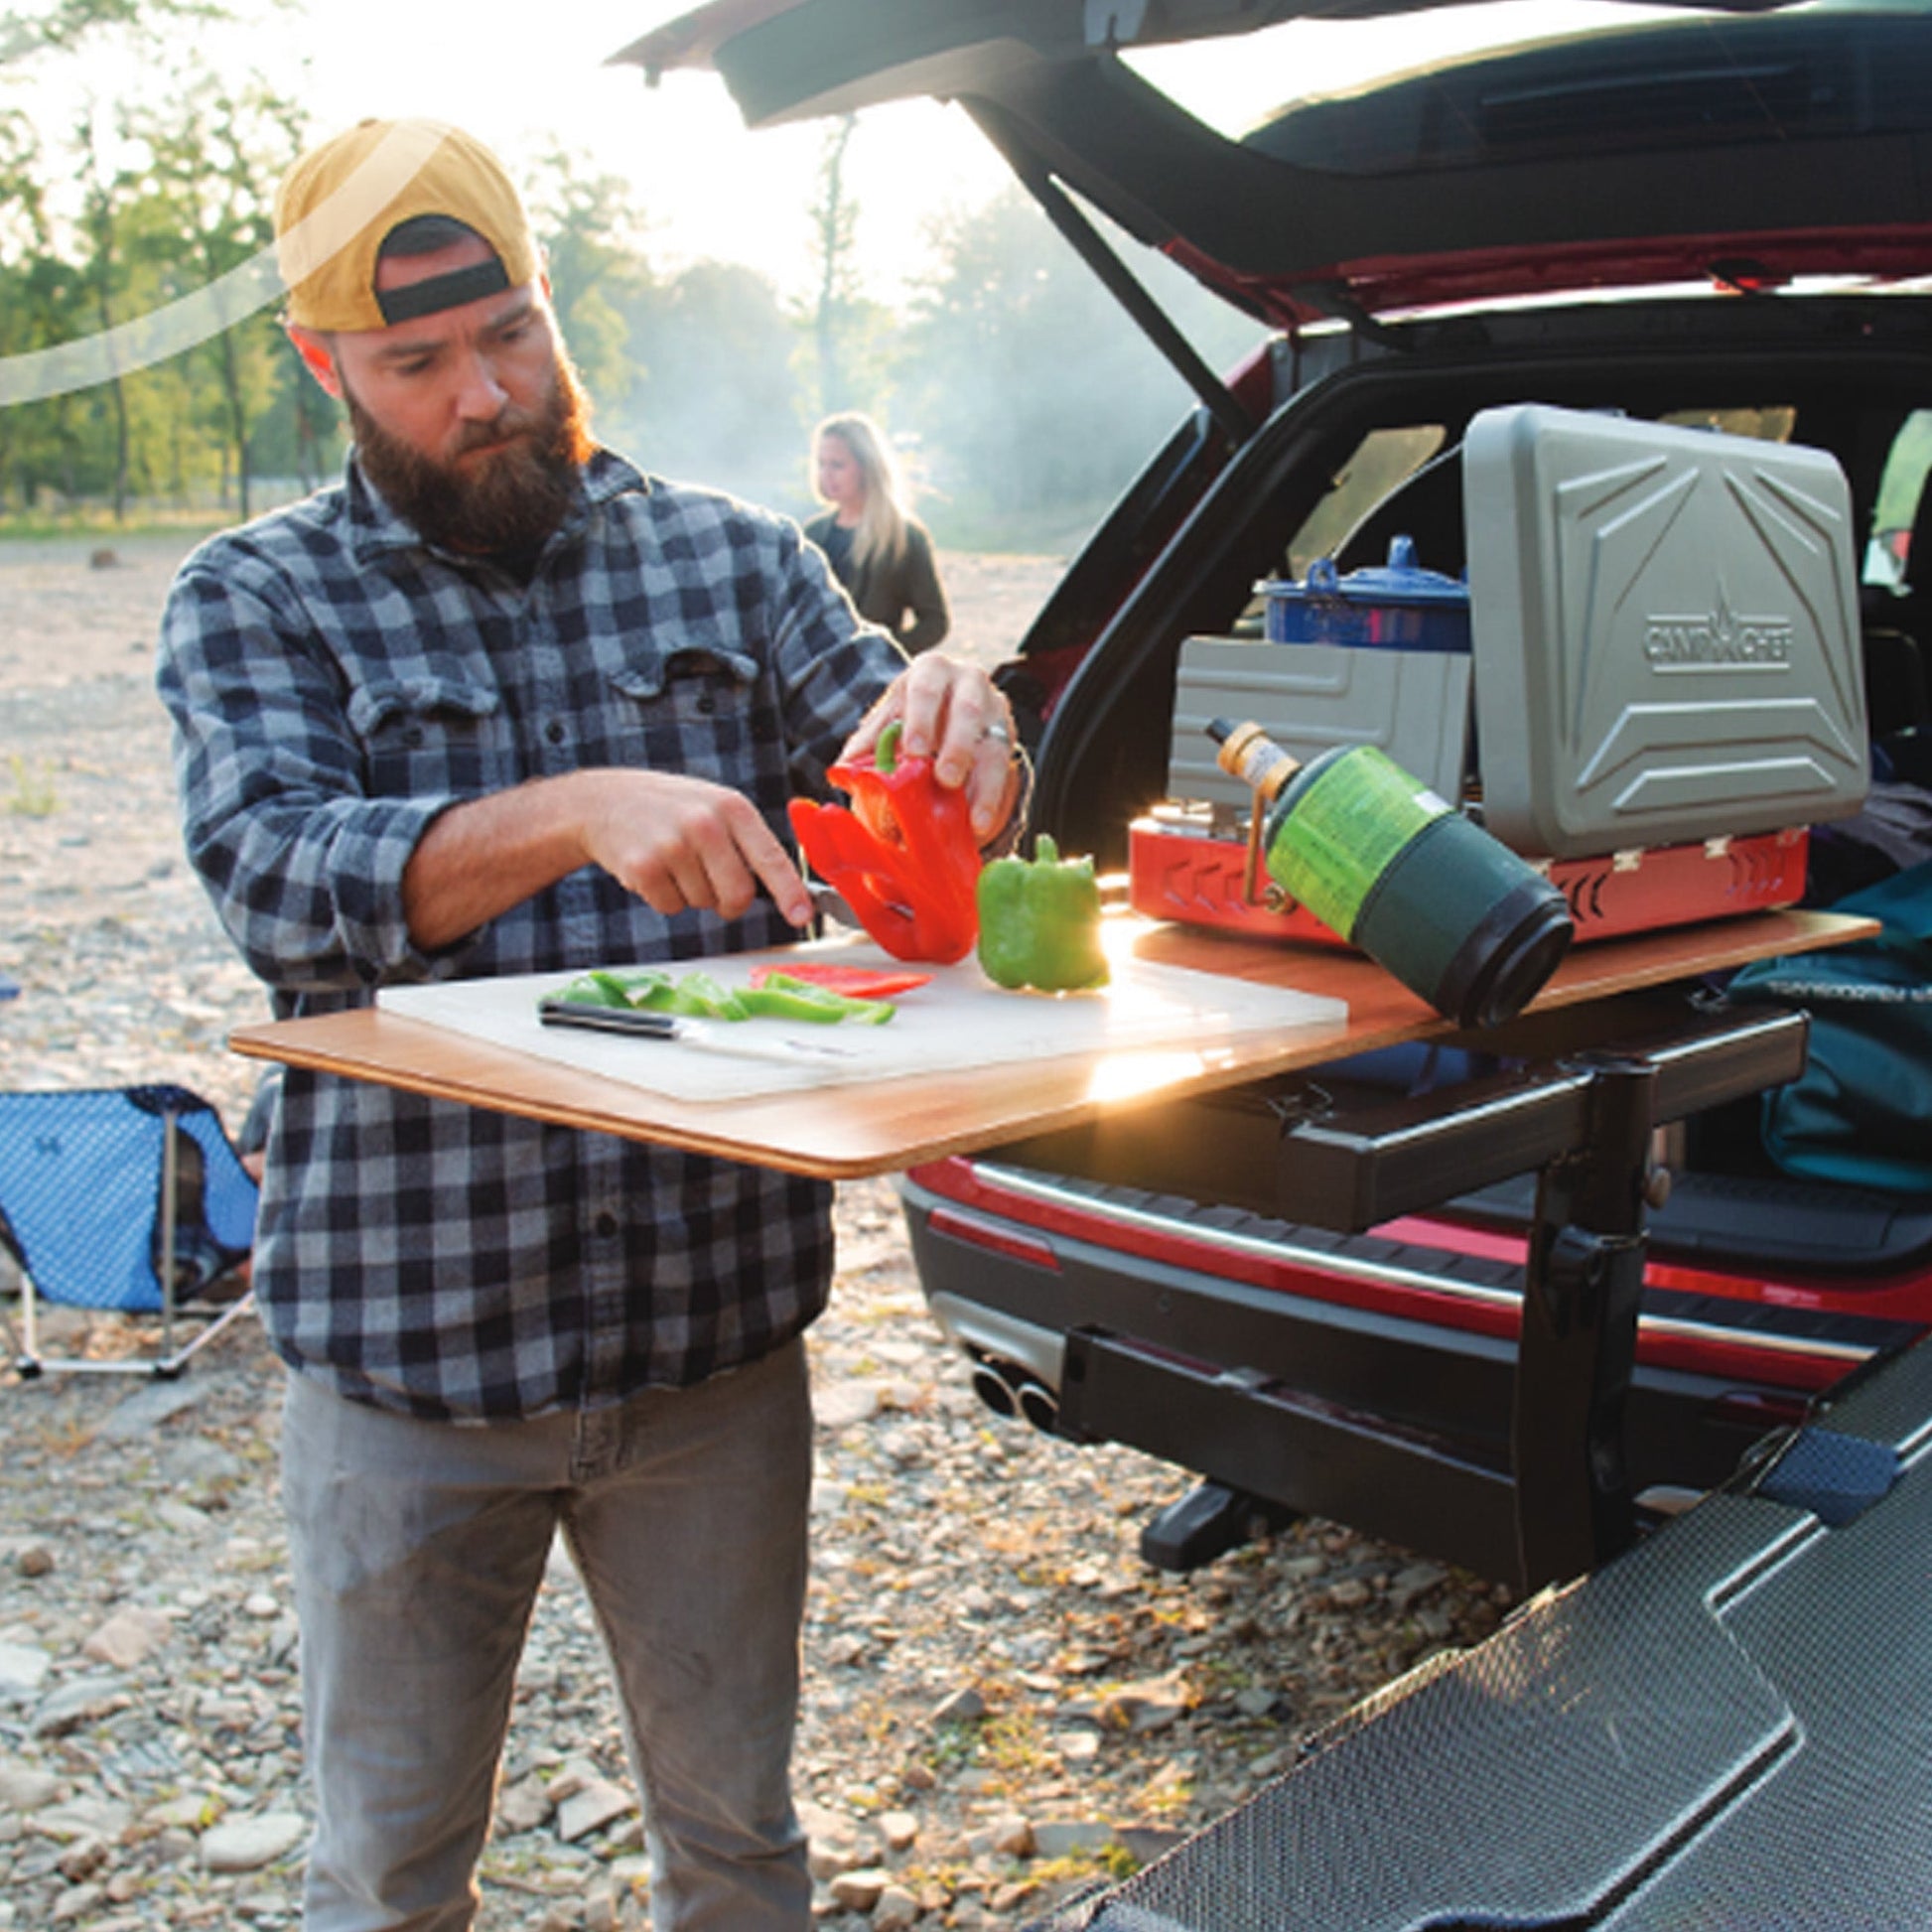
604,1225
554,731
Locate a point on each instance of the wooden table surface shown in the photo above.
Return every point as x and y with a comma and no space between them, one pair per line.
845,1132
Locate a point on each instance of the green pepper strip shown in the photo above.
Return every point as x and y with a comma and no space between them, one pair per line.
795,998
697,995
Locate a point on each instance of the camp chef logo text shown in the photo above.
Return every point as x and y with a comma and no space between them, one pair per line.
1718,641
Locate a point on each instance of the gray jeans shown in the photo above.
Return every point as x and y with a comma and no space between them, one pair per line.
418,1550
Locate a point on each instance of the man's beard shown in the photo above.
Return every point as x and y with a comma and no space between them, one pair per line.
506,502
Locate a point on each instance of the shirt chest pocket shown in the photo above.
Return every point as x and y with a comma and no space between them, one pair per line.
430,734
698,710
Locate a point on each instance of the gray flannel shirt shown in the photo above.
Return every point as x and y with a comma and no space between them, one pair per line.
335,684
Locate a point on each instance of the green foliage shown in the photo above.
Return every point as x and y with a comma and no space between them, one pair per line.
156,197
588,229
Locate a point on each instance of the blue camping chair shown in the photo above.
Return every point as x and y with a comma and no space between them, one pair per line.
124,1198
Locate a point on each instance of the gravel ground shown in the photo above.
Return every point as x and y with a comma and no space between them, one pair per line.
1002,1702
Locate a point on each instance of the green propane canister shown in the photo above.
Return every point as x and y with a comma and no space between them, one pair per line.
1453,913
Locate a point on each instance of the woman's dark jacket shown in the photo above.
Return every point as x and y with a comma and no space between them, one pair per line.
906,596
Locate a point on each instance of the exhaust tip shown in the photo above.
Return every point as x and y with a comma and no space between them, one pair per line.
1040,1406
995,1391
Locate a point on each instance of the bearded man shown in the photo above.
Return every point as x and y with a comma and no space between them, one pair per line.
499,702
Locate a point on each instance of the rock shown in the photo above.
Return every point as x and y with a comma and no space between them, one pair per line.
1145,1843
590,1807
82,1816
831,1841
859,1890
22,1788
1067,1839
248,1844
898,1829
963,1706
145,1411
1012,1837
845,1404
187,1811
523,1806
127,1638
895,1910
1152,1704
78,1903
22,1667
84,1701
81,1861
36,1560
1415,1581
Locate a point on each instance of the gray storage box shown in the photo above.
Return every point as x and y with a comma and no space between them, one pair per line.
1665,626
1412,704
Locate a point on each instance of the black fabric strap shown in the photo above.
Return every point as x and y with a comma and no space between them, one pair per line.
439,292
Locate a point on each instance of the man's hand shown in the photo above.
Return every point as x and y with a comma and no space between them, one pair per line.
951,713
688,844
680,844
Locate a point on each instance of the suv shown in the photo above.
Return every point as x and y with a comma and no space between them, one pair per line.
1712,218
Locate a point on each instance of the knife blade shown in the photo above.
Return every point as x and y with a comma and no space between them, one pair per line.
710,1037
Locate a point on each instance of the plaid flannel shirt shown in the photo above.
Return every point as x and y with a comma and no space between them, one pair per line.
336,684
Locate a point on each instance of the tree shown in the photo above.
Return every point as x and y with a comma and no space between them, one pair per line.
216,155
835,218
589,228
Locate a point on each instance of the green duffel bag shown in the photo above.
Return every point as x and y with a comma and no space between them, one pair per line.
1861,1110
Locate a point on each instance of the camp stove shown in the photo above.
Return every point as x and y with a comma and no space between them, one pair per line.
1649,684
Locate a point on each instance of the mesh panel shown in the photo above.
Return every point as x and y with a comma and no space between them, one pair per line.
1730,1727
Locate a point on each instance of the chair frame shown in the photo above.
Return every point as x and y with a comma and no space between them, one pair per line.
166,1364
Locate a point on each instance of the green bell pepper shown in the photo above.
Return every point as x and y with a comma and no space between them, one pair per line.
1040,921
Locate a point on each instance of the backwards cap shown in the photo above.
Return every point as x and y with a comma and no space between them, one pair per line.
342,199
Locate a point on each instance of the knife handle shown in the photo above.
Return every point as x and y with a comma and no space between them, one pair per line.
606,1020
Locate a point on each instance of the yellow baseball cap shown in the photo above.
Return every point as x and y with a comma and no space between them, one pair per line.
339,203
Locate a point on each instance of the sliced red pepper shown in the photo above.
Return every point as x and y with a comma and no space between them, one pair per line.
903,856
855,982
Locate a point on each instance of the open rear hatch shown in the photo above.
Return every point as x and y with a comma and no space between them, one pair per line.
1746,146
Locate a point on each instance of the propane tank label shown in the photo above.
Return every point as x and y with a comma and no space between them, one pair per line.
1344,829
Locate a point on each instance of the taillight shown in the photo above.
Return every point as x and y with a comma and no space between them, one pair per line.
994,1237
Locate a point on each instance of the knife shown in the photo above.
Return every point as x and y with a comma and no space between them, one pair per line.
642,1024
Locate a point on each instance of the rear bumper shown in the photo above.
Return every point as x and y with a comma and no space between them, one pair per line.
1366,1378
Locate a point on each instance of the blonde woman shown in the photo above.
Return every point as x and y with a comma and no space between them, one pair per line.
881,554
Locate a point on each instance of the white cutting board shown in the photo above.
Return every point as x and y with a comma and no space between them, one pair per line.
961,1020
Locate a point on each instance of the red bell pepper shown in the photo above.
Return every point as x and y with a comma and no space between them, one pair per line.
903,856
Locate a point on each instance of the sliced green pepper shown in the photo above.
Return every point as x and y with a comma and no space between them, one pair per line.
1040,921
786,998
697,995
